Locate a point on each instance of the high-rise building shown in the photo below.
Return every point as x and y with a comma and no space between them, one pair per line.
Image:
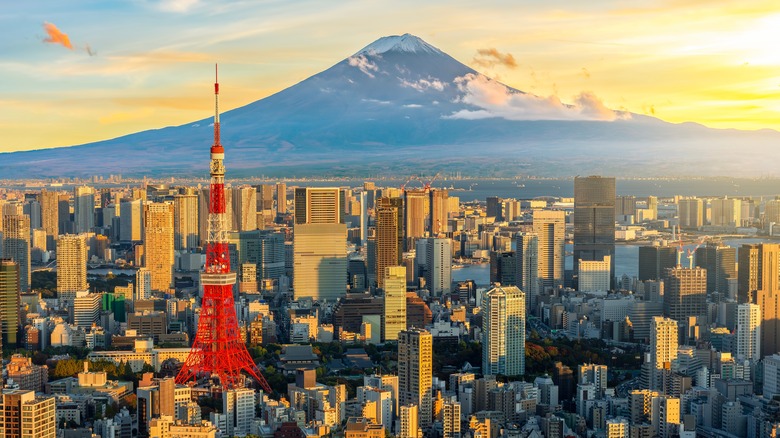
450,418
238,405
594,220
503,328
594,275
185,221
550,228
158,244
265,196
131,223
143,284
438,265
416,211
721,265
409,426
16,246
768,297
592,374
439,211
65,223
319,261
321,205
663,347
281,199
415,373
685,293
394,312
690,212
666,416
244,208
748,332
265,249
27,416
10,322
503,267
726,212
625,206
50,217
654,260
83,209
389,235
72,263
617,428
527,260
28,376
86,309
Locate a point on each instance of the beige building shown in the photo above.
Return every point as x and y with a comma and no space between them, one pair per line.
550,228
690,212
503,331
158,244
29,377
663,347
72,263
16,245
185,221
50,217
26,416
321,205
415,373
166,427
409,426
244,208
319,261
726,212
416,210
594,275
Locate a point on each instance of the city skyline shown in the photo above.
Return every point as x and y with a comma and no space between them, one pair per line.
647,59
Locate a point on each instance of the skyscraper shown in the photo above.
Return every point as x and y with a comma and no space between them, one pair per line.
320,205
394,312
503,328
83,209
72,263
749,332
685,293
185,221
415,373
438,267
16,246
768,297
654,260
416,211
131,224
50,216
550,228
726,212
244,208
10,321
594,220
527,265
319,261
721,265
389,235
690,212
439,211
281,198
663,347
86,309
158,244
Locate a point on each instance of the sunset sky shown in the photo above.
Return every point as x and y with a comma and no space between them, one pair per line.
78,71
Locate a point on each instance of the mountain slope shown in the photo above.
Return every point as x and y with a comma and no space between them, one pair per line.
402,105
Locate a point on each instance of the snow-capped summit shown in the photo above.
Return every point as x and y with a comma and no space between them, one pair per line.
399,43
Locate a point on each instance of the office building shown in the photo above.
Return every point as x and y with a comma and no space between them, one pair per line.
83,209
503,267
685,293
158,244
438,265
663,347
50,217
319,261
394,312
10,322
26,416
594,275
86,309
592,374
594,220
389,235
690,212
263,248
238,406
131,221
244,208
550,229
72,263
503,328
527,259
16,246
726,212
281,199
185,221
748,332
415,373
768,298
439,211
654,260
416,211
320,205
625,206
721,265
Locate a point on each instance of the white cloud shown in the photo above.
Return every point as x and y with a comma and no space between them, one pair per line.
496,100
412,105
361,62
176,5
424,84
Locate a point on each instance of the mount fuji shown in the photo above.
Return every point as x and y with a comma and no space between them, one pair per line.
401,106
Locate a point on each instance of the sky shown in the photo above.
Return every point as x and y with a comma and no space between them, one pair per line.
78,71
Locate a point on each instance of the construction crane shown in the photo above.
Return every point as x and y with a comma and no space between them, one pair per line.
428,184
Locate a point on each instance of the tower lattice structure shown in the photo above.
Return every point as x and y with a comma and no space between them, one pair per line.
218,349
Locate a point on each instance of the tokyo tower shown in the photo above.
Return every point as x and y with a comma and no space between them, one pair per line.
218,350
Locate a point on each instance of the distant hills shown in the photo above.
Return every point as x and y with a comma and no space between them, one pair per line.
401,106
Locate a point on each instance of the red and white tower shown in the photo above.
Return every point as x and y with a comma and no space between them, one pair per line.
218,349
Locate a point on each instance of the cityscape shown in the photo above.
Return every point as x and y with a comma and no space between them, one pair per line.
308,274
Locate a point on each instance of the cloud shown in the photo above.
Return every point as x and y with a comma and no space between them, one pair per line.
494,99
176,5
585,73
424,84
361,62
55,36
412,105
492,57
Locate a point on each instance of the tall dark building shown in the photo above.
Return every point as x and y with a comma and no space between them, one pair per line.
389,235
720,263
9,303
493,207
503,268
625,206
594,220
654,260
